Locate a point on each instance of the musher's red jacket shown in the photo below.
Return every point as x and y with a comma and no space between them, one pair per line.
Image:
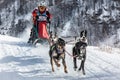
35,14
40,20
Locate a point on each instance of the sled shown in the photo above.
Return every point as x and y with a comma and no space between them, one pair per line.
38,34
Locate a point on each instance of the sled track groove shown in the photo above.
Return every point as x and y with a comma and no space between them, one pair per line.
103,69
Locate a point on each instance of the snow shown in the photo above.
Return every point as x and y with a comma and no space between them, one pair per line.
19,61
111,40
66,29
26,34
1,1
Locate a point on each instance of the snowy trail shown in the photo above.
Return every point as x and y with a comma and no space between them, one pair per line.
19,61
105,65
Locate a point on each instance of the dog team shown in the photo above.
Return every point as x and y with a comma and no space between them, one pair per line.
57,52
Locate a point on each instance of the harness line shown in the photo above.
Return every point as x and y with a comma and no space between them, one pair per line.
70,54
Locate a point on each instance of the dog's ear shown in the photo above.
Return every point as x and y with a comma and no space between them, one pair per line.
83,33
61,41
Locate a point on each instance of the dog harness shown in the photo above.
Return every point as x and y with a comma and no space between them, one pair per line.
58,51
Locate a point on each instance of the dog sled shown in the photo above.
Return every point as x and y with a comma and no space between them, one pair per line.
38,34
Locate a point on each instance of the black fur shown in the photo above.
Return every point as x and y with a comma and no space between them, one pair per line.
79,46
83,33
56,54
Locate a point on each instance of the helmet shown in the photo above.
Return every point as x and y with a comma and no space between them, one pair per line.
42,6
42,3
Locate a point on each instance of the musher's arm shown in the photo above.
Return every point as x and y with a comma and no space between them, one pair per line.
48,17
34,15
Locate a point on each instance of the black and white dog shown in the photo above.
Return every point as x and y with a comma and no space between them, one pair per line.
79,50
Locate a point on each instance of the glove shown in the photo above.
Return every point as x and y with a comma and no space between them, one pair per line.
48,20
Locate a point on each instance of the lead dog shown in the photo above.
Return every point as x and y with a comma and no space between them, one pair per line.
57,52
79,50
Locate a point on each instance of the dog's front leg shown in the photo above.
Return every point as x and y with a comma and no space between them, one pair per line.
51,60
82,66
56,62
64,63
65,67
74,59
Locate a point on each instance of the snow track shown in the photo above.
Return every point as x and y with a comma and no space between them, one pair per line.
19,61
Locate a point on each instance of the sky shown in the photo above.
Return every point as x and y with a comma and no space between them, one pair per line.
20,61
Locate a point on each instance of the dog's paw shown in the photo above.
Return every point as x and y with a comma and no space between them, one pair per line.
79,69
66,71
58,65
83,72
53,70
75,68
